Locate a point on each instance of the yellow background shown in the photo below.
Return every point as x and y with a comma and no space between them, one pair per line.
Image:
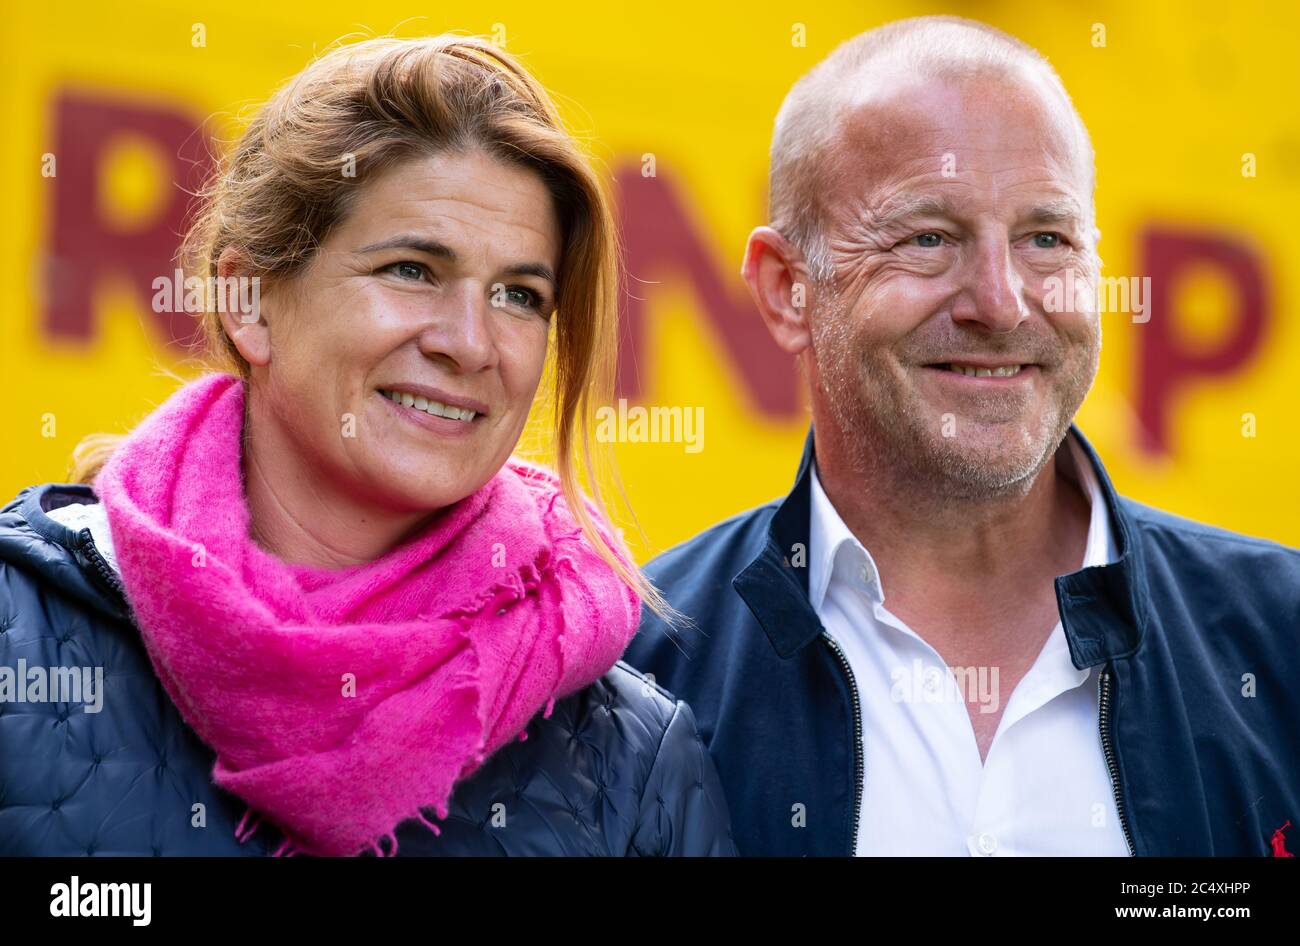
1175,98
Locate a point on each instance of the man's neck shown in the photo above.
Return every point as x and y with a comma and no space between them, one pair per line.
945,561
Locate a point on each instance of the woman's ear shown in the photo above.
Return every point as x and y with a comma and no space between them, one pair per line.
777,277
239,304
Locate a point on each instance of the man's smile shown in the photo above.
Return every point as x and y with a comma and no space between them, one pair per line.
984,374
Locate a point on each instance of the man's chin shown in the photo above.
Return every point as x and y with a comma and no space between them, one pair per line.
978,459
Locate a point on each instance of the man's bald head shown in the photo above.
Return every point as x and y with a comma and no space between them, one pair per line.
945,48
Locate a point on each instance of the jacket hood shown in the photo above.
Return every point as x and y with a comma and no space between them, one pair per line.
62,555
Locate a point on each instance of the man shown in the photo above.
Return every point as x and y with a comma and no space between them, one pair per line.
952,636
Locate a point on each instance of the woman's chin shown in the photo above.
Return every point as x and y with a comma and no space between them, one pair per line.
437,485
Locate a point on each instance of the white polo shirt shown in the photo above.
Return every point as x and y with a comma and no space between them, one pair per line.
1042,790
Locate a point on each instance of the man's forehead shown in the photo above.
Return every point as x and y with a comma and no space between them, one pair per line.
961,132
983,112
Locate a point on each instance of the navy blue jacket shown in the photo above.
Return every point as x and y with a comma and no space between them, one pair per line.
1187,622
618,768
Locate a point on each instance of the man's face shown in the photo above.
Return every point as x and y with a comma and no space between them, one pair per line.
951,208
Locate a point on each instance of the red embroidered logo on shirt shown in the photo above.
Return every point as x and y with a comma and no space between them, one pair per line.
1279,842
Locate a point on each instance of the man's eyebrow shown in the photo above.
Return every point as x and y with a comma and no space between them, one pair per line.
1061,210
917,205
1054,211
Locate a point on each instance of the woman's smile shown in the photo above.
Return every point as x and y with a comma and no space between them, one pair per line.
438,416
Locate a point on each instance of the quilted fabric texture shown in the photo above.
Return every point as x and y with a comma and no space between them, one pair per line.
617,769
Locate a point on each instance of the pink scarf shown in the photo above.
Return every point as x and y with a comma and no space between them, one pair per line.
342,702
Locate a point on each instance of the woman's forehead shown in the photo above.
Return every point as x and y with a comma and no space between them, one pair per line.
463,202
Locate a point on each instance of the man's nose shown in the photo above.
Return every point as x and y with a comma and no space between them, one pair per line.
459,330
993,295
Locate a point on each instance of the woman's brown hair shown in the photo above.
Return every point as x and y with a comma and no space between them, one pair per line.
369,106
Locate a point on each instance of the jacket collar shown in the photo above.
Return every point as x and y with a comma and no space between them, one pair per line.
1103,608
36,502
775,584
47,548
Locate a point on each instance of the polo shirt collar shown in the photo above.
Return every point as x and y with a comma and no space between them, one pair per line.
1103,607
833,545
829,537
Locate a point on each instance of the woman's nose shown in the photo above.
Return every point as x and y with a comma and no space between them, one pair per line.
460,330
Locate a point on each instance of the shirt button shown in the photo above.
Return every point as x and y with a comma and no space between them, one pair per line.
987,843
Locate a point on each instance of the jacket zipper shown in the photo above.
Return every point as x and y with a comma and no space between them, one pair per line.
1104,723
858,764
101,566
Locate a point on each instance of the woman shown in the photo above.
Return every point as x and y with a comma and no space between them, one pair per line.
312,602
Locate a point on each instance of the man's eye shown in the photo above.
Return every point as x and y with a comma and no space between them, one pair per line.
928,239
1053,240
406,270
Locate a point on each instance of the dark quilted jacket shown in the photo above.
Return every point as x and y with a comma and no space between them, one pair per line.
618,768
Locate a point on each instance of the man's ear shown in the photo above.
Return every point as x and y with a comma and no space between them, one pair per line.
244,323
777,276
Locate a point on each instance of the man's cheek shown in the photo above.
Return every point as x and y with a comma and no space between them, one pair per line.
1081,334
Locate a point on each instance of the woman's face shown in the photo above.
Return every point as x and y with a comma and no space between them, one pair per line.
436,290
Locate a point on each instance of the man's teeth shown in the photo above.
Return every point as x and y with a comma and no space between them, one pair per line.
1006,371
429,407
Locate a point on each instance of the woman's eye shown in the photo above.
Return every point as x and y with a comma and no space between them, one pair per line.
522,295
1053,240
406,270
928,240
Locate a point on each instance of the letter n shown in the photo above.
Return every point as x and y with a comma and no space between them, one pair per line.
662,242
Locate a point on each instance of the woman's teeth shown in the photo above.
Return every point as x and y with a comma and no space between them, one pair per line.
970,372
429,407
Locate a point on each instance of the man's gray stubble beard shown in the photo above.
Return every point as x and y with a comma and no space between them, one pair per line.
886,436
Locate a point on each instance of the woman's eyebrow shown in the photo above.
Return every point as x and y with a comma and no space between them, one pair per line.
540,270
443,251
412,242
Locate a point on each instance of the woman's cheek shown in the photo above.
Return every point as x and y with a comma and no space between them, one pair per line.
525,362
